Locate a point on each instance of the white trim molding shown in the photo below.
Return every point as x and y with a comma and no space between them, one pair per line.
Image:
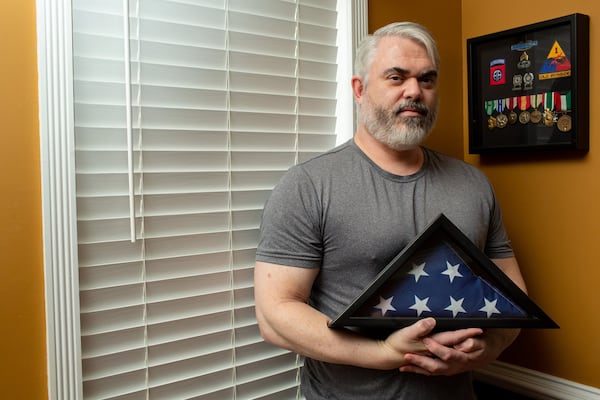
534,384
355,14
55,72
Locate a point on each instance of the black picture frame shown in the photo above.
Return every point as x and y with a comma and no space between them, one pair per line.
528,87
359,314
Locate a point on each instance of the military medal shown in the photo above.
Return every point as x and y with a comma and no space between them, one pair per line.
512,115
524,116
528,81
517,81
489,109
548,113
536,114
548,117
564,122
524,62
501,118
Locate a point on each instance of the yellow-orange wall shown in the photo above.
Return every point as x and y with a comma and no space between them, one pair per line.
551,203
552,210
22,337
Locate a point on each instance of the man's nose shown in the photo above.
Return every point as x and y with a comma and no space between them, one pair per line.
412,89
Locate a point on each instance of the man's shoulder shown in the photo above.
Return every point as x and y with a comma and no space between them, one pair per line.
438,158
340,151
330,160
320,167
455,169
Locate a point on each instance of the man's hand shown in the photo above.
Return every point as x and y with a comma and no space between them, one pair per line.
449,355
412,339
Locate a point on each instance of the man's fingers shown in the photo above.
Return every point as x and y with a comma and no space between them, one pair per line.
451,338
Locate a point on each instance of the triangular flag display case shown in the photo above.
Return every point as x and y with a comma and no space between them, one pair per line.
442,274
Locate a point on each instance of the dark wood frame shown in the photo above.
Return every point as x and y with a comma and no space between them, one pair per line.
511,65
479,263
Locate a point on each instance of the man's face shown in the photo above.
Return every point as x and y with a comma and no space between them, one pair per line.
399,106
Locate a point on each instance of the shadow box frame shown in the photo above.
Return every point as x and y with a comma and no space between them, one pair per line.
441,230
521,81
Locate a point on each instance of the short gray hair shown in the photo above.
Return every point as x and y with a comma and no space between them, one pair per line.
365,53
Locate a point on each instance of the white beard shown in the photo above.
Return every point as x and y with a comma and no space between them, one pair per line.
394,130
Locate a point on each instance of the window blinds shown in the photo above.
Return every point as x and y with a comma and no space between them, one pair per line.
226,95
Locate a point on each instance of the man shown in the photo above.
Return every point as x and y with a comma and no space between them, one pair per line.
334,222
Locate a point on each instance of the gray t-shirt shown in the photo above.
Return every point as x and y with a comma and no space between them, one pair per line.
343,214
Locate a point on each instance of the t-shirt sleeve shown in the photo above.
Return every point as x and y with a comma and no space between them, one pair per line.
290,231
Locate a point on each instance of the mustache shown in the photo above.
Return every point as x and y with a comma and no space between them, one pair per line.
413,106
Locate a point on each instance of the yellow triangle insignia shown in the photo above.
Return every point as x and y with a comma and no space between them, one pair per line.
556,51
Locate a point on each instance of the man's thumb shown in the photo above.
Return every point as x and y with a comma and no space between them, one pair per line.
423,327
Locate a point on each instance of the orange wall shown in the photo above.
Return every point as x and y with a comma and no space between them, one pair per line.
552,211
551,204
22,337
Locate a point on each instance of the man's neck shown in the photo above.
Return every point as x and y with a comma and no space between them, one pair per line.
398,162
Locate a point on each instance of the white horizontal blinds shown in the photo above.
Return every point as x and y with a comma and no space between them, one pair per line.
263,122
227,94
112,274
317,75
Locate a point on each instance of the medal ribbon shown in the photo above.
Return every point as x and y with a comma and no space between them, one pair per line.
549,101
489,107
525,103
557,103
508,102
539,100
565,101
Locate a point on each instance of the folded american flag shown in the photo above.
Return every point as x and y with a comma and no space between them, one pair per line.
439,284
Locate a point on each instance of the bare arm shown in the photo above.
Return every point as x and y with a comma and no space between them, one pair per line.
453,356
286,320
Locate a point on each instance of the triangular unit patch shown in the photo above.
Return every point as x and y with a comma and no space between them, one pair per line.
557,64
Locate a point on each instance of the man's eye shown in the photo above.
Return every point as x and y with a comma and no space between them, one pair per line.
428,82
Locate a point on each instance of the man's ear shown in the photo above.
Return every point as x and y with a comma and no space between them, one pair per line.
357,88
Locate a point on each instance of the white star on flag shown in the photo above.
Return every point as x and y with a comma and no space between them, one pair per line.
418,271
490,307
420,305
452,271
385,305
455,306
